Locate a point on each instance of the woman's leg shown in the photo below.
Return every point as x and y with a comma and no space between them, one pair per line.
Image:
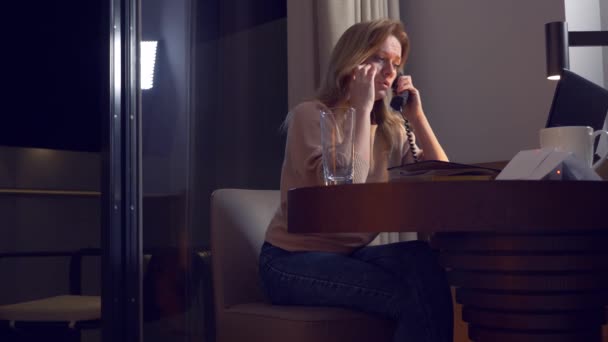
415,264
330,279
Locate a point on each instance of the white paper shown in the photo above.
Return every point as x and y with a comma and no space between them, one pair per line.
551,163
547,164
523,165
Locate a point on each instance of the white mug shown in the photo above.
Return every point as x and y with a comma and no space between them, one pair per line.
579,140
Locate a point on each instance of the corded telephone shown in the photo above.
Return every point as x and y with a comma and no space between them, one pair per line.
397,103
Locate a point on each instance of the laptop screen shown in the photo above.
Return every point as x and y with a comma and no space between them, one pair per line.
578,102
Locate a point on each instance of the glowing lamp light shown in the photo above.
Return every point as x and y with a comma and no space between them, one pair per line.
148,60
558,40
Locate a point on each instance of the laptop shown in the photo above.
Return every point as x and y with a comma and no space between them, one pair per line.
578,102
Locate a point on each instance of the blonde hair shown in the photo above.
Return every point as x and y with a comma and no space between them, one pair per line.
358,43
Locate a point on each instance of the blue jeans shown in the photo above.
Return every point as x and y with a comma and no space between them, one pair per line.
401,281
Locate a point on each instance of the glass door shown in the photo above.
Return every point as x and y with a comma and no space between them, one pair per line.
210,119
198,92
121,179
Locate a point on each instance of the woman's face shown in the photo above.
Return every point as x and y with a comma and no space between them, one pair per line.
386,60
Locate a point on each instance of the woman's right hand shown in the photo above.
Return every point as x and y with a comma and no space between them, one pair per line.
361,88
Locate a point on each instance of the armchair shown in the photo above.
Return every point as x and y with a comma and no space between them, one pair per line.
238,223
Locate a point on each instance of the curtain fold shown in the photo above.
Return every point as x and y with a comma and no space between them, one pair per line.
313,28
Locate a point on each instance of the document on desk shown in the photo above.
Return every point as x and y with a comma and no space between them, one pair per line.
525,164
435,170
544,164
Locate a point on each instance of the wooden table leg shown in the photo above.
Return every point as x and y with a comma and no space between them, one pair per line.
529,287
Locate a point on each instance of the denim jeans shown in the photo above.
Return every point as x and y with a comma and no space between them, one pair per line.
401,281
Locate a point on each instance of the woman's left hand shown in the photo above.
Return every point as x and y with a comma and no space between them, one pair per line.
414,103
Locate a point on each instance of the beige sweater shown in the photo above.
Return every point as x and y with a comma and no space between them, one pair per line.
302,167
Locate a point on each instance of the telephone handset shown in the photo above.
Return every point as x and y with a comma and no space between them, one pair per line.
397,103
399,100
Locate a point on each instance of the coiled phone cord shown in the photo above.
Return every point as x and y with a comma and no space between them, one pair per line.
410,139
397,103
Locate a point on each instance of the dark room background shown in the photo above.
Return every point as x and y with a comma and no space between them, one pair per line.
54,72
210,121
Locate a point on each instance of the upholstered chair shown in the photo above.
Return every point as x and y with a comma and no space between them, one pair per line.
242,313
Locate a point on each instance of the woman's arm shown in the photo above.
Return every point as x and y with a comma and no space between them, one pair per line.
425,137
361,98
412,111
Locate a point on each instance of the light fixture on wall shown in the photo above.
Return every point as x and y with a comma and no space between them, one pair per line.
557,43
148,61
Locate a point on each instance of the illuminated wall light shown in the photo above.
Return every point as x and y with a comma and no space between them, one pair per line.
148,61
558,41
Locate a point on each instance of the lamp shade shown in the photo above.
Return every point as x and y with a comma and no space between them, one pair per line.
556,48
148,62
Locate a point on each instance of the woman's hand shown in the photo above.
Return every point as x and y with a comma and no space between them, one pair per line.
361,88
414,104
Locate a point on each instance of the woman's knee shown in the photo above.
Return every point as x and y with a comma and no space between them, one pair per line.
418,254
420,246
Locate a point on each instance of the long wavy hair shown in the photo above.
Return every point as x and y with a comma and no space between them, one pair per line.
356,45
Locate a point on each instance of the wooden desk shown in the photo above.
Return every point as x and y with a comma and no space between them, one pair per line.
529,259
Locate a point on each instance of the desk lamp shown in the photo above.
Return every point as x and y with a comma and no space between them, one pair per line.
558,40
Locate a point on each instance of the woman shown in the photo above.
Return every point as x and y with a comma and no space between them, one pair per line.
401,281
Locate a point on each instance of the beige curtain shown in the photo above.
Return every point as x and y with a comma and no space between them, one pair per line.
313,28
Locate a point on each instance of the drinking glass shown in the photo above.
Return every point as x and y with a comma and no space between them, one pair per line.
337,129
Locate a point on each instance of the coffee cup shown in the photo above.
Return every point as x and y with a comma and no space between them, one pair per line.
580,140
